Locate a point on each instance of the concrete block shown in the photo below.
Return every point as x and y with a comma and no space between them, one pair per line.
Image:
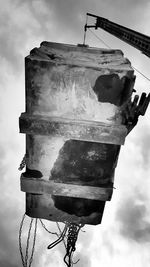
74,130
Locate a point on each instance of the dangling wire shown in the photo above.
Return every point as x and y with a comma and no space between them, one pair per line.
44,226
25,258
60,234
56,242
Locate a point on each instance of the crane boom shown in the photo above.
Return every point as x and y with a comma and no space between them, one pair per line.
133,38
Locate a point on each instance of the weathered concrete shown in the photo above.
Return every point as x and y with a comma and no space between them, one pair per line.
73,126
77,83
62,209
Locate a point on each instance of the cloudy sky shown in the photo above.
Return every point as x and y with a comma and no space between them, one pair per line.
123,238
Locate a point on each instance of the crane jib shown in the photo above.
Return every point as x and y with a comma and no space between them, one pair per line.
133,38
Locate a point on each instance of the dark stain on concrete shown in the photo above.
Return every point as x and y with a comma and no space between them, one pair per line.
110,88
32,173
85,163
78,206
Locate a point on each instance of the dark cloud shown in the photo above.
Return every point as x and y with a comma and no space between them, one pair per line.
9,255
132,220
7,263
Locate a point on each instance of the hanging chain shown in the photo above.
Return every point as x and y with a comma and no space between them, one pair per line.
73,231
25,258
23,163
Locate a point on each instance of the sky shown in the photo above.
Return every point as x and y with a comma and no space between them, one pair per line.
123,238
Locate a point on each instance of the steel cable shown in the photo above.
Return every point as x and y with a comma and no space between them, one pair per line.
112,48
25,259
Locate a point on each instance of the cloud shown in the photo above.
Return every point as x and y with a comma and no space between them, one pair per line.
132,217
19,29
132,213
84,259
142,141
24,24
7,263
9,231
108,243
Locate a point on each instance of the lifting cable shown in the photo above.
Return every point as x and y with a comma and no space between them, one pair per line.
141,73
111,48
102,41
85,30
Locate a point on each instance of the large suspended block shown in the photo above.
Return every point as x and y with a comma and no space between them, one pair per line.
74,126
